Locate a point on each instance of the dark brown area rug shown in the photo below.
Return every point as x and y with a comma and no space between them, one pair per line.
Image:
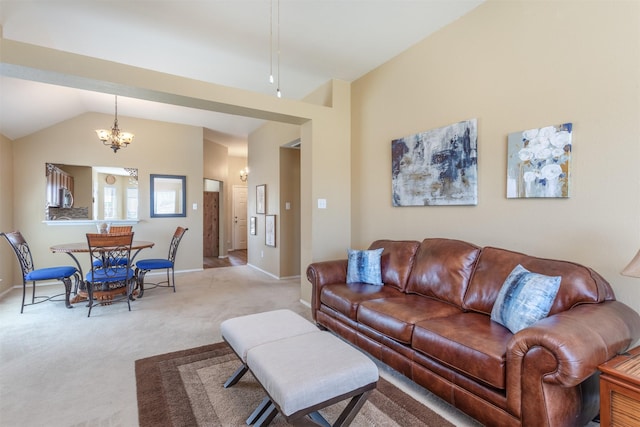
184,388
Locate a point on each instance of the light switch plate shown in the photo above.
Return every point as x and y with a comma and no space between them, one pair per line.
322,203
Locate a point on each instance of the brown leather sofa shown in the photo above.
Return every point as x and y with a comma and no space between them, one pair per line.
431,321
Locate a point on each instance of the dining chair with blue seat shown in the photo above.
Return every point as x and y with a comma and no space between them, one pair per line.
145,265
31,274
110,279
115,229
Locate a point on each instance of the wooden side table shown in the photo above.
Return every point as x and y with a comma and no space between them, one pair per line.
620,390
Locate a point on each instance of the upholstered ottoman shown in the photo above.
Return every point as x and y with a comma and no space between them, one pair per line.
308,372
245,332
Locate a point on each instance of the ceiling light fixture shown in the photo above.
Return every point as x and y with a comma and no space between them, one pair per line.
115,138
271,41
271,25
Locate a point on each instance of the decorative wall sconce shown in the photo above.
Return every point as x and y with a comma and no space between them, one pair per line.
244,174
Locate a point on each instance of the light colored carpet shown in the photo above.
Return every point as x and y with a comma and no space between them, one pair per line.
60,368
184,389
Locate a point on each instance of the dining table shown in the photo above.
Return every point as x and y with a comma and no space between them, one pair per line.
72,249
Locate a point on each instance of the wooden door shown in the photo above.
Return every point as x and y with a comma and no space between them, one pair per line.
211,231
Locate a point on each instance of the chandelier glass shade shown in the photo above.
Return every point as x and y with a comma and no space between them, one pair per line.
114,137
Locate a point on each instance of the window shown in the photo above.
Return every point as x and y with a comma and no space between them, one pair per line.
132,203
110,203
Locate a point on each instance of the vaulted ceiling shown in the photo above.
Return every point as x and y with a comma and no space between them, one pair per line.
228,42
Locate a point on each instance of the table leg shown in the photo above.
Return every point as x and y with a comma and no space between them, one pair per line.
80,286
135,291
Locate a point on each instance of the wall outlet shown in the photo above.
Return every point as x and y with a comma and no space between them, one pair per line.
322,203
261,254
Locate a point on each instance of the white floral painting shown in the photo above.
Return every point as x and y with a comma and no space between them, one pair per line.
436,167
539,161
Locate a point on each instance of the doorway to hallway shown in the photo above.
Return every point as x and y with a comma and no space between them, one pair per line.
233,258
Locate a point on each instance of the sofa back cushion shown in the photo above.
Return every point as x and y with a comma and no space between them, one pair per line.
396,261
579,284
442,269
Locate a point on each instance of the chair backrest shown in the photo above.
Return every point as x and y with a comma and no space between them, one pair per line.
22,251
107,251
175,242
117,229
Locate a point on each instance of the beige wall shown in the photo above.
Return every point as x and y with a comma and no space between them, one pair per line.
7,259
514,66
324,124
289,219
154,151
265,168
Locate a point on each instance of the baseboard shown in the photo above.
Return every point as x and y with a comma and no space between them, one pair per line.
159,272
305,303
263,271
273,275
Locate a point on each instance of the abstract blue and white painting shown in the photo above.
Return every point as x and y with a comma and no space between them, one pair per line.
436,167
538,162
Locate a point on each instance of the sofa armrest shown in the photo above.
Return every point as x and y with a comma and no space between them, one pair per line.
324,273
555,355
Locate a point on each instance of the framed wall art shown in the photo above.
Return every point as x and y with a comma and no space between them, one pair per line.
270,230
436,167
538,162
261,193
168,196
252,226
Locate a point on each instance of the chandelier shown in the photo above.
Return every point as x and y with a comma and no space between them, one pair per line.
115,138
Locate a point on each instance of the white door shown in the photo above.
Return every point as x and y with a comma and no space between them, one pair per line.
239,217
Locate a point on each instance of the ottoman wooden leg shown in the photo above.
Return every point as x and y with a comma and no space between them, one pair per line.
257,413
236,376
269,414
351,410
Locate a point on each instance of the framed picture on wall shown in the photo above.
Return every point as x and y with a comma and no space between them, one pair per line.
539,162
168,196
252,225
261,193
270,230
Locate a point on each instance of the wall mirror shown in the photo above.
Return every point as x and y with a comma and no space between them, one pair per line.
168,196
79,192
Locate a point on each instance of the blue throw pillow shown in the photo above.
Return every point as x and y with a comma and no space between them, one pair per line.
524,299
364,267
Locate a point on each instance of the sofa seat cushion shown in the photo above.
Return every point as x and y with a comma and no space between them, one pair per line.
345,298
469,343
395,317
